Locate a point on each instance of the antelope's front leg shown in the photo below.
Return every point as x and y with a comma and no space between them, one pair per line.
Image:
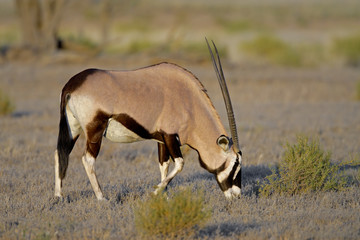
179,164
164,160
164,167
170,147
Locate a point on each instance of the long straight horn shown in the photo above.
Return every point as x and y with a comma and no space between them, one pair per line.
225,93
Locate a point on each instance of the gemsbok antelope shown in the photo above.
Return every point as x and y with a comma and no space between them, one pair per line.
162,102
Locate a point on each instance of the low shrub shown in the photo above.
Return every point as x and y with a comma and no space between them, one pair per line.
178,216
349,48
305,167
6,106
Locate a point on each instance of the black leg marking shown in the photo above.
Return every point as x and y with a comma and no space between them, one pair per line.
172,144
163,153
95,130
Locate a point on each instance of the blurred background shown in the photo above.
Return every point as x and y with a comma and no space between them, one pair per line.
309,33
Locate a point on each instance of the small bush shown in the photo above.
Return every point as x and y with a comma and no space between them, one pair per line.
6,106
274,50
305,167
180,215
349,48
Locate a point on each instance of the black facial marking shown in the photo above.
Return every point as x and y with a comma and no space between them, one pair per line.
237,181
232,173
228,182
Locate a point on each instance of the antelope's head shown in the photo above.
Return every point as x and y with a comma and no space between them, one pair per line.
229,175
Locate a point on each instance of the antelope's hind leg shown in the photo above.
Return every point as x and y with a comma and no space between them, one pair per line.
66,142
89,164
94,133
171,147
58,180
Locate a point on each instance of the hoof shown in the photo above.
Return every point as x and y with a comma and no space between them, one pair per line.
59,196
103,199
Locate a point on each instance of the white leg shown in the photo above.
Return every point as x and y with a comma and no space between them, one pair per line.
179,163
164,169
89,162
236,191
58,181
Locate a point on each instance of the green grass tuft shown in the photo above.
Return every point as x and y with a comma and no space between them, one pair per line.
349,48
179,216
6,106
305,167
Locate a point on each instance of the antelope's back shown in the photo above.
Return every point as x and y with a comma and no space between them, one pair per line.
160,97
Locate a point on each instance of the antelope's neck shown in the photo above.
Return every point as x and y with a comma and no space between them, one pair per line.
203,138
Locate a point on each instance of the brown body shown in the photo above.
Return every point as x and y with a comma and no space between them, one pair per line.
163,98
162,102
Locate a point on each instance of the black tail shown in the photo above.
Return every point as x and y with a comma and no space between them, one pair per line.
65,142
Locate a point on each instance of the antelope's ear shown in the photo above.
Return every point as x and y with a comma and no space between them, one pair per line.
224,142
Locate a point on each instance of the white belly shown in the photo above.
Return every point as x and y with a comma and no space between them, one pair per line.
116,132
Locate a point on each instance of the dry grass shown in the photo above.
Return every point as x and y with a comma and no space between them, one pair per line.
178,215
6,105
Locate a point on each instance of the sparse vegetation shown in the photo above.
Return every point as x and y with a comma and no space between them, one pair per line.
273,50
197,50
6,106
305,167
349,48
181,214
140,46
8,36
235,26
358,90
